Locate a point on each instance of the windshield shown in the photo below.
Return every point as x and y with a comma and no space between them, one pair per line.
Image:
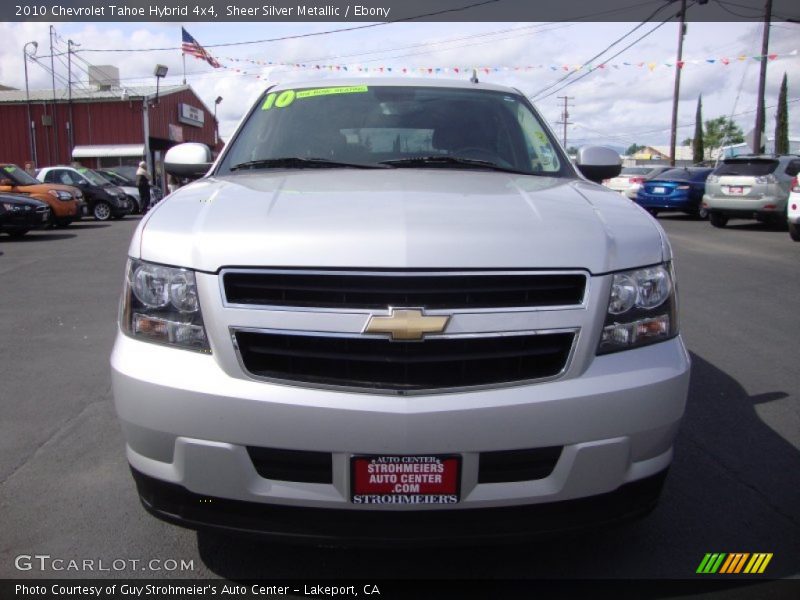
93,177
755,167
116,178
17,175
398,126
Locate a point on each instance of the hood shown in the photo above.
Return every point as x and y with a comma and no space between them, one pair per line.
42,188
399,218
22,200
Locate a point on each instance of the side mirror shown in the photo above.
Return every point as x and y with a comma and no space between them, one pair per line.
598,162
188,160
6,183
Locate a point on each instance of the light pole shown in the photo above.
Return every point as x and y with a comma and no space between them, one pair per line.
216,123
31,138
160,72
71,138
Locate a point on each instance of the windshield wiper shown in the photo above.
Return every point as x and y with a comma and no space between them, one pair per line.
297,162
417,161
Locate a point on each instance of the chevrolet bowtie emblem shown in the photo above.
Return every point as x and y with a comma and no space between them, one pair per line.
406,324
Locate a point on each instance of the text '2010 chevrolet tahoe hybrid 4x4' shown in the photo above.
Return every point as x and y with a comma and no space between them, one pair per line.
393,311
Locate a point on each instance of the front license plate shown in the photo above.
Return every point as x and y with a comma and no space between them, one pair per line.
405,479
659,190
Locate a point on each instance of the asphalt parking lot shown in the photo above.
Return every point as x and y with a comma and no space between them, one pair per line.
65,489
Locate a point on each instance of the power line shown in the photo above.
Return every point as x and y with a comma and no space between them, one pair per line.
606,49
346,29
636,41
307,35
681,126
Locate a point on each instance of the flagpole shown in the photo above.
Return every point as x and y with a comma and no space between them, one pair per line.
183,54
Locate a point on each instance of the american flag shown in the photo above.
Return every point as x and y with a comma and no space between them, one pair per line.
190,46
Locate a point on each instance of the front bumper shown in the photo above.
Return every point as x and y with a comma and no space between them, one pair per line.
685,204
188,424
743,205
175,504
120,208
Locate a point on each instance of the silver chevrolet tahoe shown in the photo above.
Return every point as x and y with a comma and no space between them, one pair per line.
393,311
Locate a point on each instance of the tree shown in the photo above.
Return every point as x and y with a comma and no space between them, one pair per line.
782,121
572,151
687,142
721,132
633,149
697,143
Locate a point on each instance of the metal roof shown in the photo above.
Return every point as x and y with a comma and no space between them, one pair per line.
108,150
92,95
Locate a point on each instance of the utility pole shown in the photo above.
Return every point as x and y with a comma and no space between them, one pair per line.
55,105
762,78
31,128
70,128
565,117
677,90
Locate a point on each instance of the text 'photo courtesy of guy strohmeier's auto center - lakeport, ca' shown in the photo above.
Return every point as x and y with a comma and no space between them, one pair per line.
441,299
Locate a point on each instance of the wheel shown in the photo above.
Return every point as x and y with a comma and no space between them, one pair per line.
18,233
653,211
63,222
718,219
702,213
102,211
794,232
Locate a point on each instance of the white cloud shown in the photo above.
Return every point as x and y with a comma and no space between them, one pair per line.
626,103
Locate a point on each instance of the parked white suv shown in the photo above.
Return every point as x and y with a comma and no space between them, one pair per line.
393,311
793,210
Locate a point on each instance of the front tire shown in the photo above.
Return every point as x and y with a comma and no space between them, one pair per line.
718,219
794,232
18,233
102,211
702,213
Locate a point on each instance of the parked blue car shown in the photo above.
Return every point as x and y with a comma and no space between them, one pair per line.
678,189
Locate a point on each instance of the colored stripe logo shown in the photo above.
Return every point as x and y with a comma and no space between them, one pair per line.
734,563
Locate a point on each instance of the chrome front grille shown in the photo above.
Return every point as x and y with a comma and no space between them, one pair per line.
379,290
309,327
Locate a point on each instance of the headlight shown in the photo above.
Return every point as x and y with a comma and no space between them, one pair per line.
160,304
61,195
11,207
641,309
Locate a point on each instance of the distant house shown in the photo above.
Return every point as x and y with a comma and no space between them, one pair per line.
744,148
105,126
659,155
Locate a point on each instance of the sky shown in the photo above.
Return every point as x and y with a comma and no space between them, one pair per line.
612,106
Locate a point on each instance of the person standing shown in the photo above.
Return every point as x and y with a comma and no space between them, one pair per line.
143,183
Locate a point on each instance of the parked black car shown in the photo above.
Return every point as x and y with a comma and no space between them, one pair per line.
105,199
19,214
675,190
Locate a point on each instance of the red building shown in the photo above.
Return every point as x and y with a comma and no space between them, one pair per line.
104,127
